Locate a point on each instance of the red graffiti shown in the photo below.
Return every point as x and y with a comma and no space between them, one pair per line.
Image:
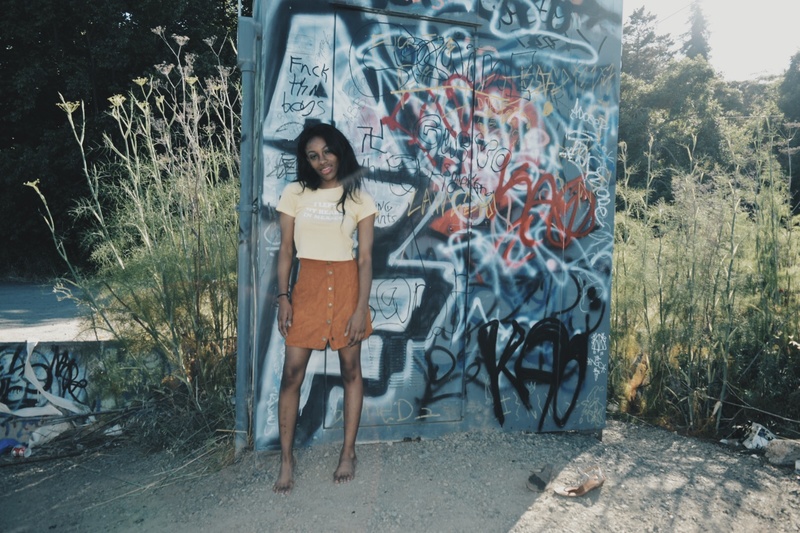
454,136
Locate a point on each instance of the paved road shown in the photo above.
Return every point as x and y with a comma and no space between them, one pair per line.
34,312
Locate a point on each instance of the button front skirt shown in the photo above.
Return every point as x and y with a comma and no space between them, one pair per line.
323,300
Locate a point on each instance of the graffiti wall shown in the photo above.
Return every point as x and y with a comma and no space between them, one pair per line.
33,376
489,129
39,384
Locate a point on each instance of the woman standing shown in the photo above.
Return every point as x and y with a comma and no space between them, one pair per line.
319,215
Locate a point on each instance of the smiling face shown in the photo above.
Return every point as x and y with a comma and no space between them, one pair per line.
324,162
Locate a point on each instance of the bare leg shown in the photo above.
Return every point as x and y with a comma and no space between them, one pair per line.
350,362
294,370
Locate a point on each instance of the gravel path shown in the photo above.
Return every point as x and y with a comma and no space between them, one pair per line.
463,482
656,481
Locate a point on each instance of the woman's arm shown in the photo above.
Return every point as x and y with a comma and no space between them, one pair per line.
285,258
357,325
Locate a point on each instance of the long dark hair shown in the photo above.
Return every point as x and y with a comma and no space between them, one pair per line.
350,172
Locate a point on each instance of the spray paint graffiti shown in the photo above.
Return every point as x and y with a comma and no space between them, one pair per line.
54,367
489,131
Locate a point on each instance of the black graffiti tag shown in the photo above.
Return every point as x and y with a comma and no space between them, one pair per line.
58,372
569,357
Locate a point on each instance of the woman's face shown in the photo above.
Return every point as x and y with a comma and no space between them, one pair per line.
324,162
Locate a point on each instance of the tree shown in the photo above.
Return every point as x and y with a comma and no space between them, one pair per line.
696,43
789,90
686,95
671,124
644,52
789,104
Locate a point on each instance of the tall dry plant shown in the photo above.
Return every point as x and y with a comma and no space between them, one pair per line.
770,372
163,242
704,311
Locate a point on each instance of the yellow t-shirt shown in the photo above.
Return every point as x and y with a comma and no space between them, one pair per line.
319,231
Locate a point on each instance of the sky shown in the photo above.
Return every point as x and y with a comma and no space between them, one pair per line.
747,38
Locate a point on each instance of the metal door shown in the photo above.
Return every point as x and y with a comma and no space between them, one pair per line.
403,92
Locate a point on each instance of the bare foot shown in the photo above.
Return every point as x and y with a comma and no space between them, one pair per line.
346,471
285,481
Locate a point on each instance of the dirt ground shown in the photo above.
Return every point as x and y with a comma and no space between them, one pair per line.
474,481
464,482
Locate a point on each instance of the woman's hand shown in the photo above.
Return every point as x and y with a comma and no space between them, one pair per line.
285,257
284,315
356,327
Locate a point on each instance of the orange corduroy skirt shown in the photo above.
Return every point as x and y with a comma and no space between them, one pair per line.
323,300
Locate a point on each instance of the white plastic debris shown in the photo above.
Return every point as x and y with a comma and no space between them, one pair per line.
758,437
113,431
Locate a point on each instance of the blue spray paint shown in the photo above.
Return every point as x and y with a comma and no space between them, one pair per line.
489,128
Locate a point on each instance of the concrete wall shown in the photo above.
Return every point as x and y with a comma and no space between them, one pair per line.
40,383
35,375
490,129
